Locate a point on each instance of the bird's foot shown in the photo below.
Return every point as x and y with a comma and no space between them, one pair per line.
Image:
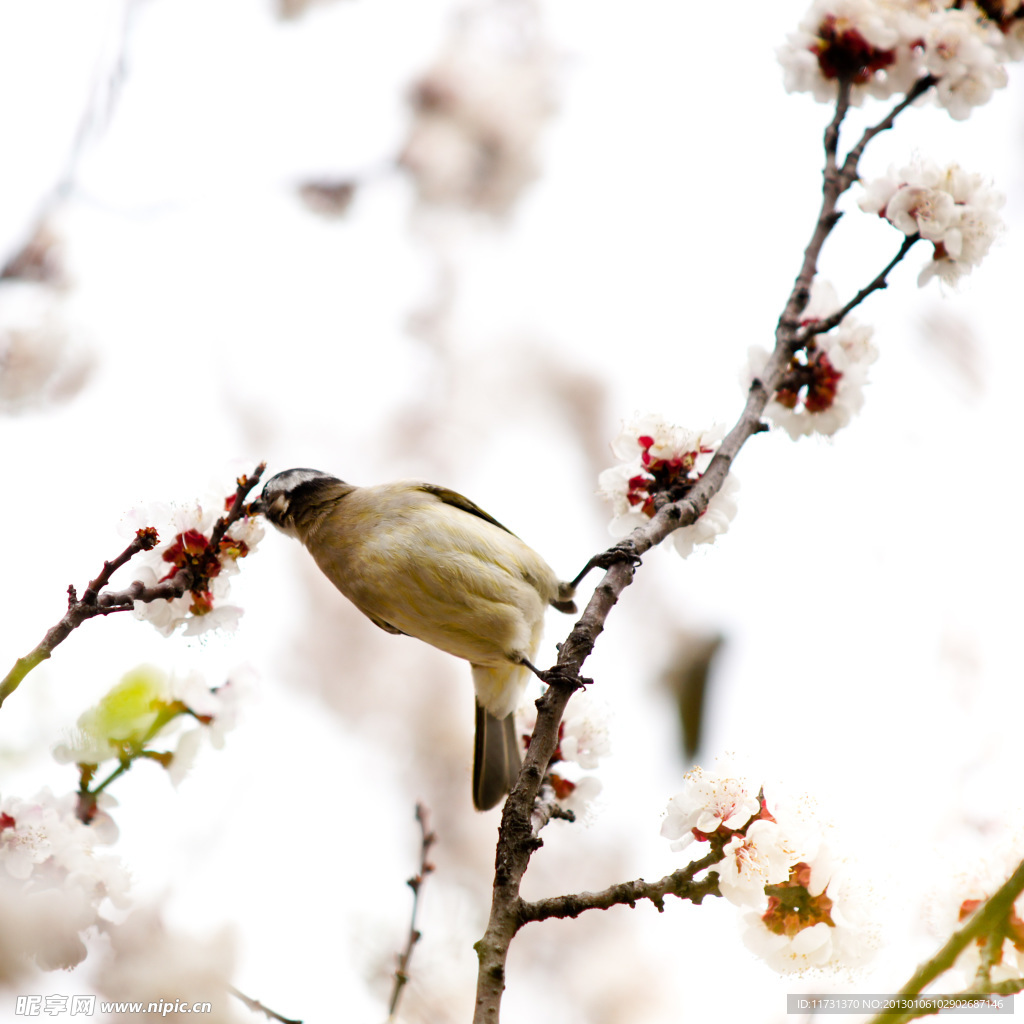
557,674
624,551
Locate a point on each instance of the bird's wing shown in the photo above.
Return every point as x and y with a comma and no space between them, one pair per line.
386,626
456,500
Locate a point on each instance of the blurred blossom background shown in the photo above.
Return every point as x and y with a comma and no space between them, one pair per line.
464,242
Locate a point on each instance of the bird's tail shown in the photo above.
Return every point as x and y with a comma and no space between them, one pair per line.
496,760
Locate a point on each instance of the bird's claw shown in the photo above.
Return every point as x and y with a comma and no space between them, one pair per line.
560,676
621,552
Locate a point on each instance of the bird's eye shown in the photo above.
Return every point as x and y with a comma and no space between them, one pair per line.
278,508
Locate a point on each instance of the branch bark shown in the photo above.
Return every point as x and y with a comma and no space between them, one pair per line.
680,883
826,323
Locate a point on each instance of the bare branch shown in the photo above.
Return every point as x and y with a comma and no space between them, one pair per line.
826,323
680,883
849,173
257,1007
828,217
427,840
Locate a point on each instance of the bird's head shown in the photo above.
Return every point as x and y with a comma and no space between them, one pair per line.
289,497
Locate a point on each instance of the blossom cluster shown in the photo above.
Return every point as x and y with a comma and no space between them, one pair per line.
801,912
146,705
58,891
54,884
478,116
203,607
823,387
663,461
951,208
583,739
884,47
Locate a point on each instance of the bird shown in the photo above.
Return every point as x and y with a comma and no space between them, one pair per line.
423,560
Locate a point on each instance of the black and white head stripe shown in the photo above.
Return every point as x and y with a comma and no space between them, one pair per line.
292,480
287,493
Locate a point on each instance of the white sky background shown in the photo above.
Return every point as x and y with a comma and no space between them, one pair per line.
867,588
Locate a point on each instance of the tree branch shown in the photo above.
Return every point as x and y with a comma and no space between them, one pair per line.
850,172
257,1007
98,601
427,840
516,841
828,217
680,883
826,323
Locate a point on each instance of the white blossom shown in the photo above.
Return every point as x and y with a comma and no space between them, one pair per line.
924,211
883,47
955,210
583,798
707,801
827,926
775,860
53,882
657,455
871,41
753,860
585,738
221,706
963,51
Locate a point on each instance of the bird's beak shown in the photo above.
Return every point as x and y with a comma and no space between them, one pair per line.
257,507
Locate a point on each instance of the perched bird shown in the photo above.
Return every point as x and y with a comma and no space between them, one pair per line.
425,561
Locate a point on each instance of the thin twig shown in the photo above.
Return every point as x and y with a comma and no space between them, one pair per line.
680,883
97,600
826,323
427,840
850,170
257,1007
